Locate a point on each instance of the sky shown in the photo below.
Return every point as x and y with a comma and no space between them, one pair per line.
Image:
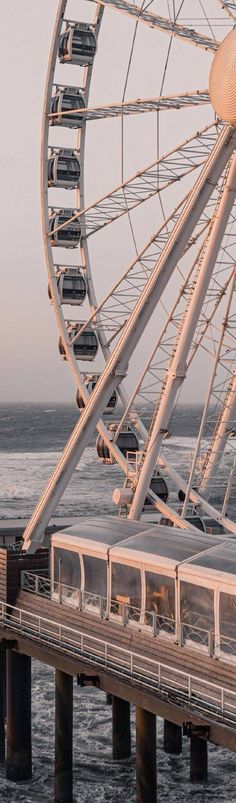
31,369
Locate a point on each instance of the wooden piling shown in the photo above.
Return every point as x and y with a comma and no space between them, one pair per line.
121,737
198,759
146,776
172,738
2,700
63,783
19,751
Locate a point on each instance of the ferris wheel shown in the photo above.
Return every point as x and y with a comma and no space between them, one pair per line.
152,260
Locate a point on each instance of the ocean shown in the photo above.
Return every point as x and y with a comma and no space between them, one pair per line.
31,438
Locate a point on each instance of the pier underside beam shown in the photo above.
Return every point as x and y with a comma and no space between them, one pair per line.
146,771
19,751
218,733
121,738
63,783
172,738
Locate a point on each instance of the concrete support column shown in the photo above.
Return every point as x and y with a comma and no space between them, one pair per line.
63,788
2,701
172,738
121,737
19,752
146,776
198,759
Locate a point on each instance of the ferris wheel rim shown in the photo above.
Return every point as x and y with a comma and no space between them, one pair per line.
59,315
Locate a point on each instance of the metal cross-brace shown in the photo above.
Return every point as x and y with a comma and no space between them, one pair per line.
88,680
201,731
168,26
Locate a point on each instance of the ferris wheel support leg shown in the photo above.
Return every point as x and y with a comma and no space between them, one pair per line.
178,368
220,438
116,366
209,509
209,394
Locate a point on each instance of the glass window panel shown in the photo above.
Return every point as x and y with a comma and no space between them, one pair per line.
160,594
196,608
126,584
70,573
227,619
95,575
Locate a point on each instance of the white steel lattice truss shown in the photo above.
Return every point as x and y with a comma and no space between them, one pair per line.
178,208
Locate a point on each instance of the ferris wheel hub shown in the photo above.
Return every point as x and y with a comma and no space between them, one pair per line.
222,82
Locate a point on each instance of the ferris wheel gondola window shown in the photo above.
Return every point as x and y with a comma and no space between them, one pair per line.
85,348
77,45
63,169
126,441
73,289
90,382
69,236
159,487
68,99
71,285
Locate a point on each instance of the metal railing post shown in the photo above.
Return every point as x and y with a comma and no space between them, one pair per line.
131,664
80,599
37,584
210,643
100,607
124,613
154,623
189,687
222,700
59,578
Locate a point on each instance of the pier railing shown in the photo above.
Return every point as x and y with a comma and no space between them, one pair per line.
183,688
156,624
86,600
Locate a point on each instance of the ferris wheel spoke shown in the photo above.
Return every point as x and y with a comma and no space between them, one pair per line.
195,497
140,106
111,314
143,185
208,454
163,24
151,384
177,371
122,317
167,341
117,363
229,7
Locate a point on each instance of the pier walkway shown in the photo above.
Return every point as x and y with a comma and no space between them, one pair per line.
182,684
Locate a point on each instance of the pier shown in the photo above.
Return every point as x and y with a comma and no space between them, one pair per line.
193,694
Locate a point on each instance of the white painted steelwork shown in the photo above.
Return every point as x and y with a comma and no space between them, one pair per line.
177,370
149,273
219,440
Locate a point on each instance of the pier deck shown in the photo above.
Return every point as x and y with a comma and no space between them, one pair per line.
179,684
